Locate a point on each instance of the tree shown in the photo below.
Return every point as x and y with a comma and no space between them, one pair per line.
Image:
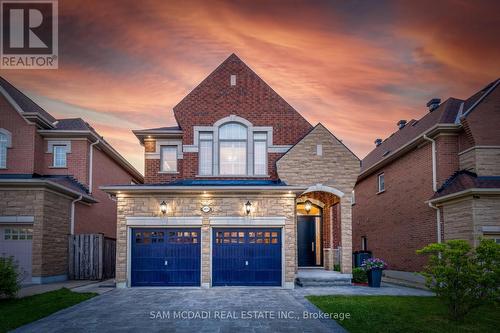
462,277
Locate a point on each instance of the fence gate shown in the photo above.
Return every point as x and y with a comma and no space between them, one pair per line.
91,257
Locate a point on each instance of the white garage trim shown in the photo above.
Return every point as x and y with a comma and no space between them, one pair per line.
163,221
17,219
247,221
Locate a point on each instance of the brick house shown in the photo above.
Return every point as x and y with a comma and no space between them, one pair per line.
243,192
434,179
50,173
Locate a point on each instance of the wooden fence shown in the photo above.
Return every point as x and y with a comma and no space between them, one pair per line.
91,257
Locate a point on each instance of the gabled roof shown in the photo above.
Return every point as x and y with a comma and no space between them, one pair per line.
25,103
466,180
445,114
72,124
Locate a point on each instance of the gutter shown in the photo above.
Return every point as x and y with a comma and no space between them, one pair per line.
53,185
72,223
91,156
166,188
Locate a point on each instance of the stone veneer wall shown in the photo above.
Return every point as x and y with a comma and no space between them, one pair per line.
51,213
337,167
184,205
464,218
485,161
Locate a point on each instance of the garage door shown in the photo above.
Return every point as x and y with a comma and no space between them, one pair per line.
16,241
246,257
165,257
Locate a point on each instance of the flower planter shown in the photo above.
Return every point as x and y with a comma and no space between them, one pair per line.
374,277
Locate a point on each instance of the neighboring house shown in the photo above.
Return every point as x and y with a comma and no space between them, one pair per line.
50,173
242,192
434,179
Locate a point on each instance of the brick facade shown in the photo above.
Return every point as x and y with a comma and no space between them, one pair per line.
213,99
399,220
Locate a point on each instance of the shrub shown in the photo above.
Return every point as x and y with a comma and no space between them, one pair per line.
359,275
9,277
462,277
336,267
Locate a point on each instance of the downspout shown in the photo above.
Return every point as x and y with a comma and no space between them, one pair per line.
91,156
434,187
73,214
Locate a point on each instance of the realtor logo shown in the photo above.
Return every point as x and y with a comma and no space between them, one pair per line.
29,35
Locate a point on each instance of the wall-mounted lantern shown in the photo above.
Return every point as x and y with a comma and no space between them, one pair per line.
308,206
248,207
163,207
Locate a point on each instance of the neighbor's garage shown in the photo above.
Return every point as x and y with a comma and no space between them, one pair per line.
246,257
16,241
165,257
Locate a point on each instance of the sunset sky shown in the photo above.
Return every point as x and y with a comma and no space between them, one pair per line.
356,66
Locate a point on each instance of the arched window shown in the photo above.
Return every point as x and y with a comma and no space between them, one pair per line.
3,150
233,149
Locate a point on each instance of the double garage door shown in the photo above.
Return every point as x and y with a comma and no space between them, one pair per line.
172,257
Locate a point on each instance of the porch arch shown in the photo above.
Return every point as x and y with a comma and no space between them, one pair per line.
324,188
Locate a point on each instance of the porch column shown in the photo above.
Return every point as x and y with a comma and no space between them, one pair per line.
346,233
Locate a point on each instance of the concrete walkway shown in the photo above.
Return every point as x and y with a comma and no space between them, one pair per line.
74,285
385,289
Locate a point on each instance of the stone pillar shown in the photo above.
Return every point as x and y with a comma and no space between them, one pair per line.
346,233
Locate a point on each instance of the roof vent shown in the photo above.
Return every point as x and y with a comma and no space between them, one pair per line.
378,142
401,123
433,104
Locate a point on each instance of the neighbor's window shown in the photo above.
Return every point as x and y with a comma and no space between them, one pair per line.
353,197
3,150
59,156
168,157
364,243
260,154
205,153
381,183
233,149
495,237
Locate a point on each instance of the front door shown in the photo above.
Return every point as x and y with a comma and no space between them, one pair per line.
309,241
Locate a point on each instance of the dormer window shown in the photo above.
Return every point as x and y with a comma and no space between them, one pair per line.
232,149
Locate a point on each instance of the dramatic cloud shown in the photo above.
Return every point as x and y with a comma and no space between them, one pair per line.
356,66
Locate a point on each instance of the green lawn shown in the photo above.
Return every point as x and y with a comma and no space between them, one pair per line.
405,314
21,311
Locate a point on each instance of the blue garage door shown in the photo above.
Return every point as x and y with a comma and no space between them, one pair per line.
246,257
165,257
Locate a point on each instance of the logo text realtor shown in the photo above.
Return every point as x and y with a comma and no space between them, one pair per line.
29,36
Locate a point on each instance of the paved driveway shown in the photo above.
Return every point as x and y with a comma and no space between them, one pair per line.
232,310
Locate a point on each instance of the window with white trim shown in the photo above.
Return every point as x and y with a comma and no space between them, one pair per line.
232,149
168,158
206,148
18,234
3,150
59,153
381,182
495,237
260,153
353,197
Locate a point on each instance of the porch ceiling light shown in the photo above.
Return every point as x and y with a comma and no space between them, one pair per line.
248,207
308,206
163,207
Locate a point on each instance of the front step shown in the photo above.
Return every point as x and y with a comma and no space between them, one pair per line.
321,278
325,283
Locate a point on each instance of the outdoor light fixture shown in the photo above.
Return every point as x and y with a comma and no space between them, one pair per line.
308,206
248,207
163,207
